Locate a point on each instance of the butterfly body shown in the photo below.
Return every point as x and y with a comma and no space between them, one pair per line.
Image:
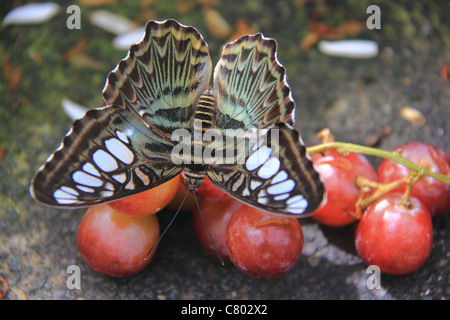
163,117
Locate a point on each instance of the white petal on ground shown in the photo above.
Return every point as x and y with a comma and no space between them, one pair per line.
73,110
32,13
112,22
356,49
124,41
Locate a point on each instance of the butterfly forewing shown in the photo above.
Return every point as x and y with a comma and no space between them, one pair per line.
106,155
162,77
275,175
250,85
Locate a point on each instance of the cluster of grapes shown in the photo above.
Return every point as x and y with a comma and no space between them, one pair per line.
395,229
394,208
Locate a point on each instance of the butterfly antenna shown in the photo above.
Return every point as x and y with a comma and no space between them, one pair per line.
201,214
168,226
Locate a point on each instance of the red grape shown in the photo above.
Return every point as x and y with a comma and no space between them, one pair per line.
263,245
433,193
116,244
217,216
189,203
396,239
339,174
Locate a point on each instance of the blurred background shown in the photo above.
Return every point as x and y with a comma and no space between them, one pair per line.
360,99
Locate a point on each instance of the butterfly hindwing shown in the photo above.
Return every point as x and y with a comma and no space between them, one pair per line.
250,85
275,174
162,77
106,155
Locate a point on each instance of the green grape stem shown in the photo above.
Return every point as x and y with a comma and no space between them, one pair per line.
396,156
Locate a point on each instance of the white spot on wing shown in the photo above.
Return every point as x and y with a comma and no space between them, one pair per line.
295,210
85,189
61,194
122,136
85,179
282,187
238,183
89,168
109,186
119,150
281,197
262,193
121,177
269,169
130,184
70,190
104,160
66,201
142,176
258,158
297,202
263,201
62,197
106,193
255,184
281,176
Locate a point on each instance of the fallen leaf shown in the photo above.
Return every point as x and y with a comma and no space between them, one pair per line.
86,61
95,3
308,41
242,29
350,28
218,26
322,31
5,288
35,56
76,50
13,74
445,71
374,139
144,4
412,115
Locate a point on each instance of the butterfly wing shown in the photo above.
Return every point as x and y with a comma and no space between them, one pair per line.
162,77
250,85
106,155
273,173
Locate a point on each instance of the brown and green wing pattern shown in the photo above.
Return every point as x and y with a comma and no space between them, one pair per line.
276,175
162,77
126,147
250,85
273,172
106,155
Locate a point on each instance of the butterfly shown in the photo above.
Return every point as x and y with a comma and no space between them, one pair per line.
163,86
